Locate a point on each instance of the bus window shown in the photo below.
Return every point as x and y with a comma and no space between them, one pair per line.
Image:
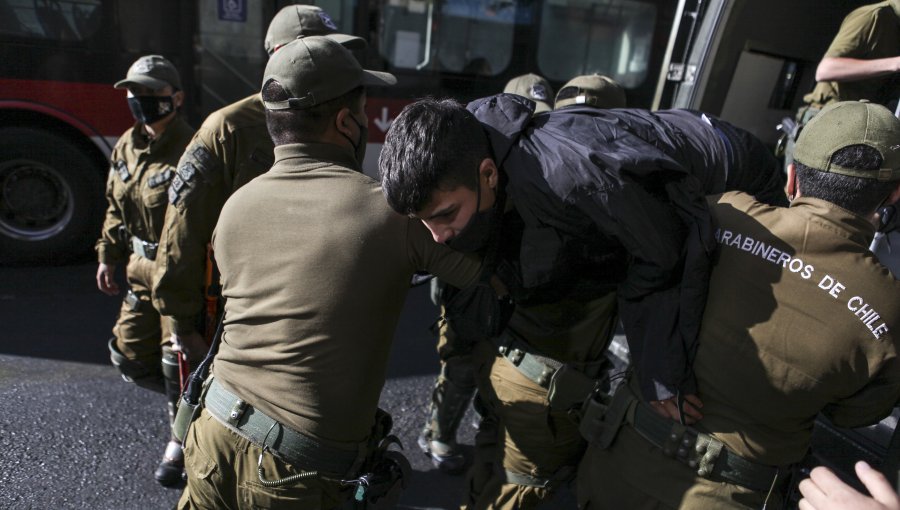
473,37
55,20
610,37
149,27
340,11
231,53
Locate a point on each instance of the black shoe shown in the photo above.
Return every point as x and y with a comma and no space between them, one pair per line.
170,471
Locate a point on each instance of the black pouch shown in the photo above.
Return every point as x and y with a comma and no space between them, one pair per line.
604,415
477,312
569,388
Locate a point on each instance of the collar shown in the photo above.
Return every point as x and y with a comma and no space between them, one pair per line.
858,228
317,153
141,141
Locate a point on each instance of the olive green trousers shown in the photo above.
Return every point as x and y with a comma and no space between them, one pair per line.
221,469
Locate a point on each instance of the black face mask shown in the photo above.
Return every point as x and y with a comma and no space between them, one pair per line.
475,235
359,148
149,109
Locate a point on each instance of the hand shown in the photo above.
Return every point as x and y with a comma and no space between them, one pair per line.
106,279
669,408
823,490
192,345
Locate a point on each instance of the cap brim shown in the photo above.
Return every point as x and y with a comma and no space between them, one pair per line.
146,81
378,79
351,42
541,107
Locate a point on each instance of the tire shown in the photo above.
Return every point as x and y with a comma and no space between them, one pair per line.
51,198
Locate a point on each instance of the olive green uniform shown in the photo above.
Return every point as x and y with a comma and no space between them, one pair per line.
526,447
869,32
801,319
136,190
315,268
231,148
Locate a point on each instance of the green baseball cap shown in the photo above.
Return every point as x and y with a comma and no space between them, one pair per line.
593,90
296,21
534,87
847,123
152,71
313,70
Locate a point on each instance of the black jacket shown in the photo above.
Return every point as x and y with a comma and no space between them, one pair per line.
614,188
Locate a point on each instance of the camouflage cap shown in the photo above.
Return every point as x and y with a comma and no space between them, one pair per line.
593,90
313,70
847,123
151,71
534,87
296,21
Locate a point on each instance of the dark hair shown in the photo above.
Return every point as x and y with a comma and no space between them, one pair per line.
433,144
294,126
855,194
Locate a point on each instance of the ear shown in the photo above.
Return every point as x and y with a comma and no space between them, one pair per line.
488,170
343,123
895,196
178,99
790,188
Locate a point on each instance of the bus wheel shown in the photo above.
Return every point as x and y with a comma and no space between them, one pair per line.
51,198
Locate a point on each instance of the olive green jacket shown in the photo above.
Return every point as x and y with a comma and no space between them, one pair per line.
315,270
140,172
869,32
801,319
231,148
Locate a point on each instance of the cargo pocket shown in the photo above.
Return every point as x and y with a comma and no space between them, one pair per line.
254,495
197,463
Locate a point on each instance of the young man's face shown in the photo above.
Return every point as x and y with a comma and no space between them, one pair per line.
449,211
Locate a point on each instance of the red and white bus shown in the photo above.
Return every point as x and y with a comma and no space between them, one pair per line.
60,116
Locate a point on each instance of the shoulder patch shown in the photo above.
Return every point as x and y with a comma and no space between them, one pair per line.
122,170
160,178
196,163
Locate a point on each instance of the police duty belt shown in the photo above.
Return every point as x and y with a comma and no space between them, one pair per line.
296,448
567,386
697,450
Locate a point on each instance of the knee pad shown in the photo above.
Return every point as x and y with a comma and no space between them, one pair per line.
149,377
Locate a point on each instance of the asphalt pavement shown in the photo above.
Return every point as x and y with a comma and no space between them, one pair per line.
75,436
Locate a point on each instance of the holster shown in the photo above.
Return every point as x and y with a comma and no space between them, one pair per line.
604,416
386,472
187,410
569,388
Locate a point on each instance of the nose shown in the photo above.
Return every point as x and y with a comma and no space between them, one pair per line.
441,235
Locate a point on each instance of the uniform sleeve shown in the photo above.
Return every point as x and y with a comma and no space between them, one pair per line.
853,36
668,236
872,403
457,269
196,196
111,247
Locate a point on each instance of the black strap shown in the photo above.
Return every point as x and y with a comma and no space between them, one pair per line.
199,375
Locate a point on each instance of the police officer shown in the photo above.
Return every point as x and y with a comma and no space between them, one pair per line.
315,268
534,87
863,62
143,164
800,319
455,386
592,90
231,148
